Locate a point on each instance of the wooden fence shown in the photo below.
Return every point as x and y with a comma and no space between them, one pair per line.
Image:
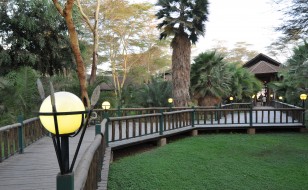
88,172
14,138
128,127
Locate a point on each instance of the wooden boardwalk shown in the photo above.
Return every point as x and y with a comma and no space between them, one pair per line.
262,117
37,167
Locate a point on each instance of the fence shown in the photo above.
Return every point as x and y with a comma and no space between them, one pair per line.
128,127
14,138
89,169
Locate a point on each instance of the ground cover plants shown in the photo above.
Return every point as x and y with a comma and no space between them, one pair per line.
218,161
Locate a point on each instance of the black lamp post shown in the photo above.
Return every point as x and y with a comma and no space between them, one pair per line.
303,97
105,107
63,114
170,101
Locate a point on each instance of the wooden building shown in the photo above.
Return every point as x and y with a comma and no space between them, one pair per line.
265,69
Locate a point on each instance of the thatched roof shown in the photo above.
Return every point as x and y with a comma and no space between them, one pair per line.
262,64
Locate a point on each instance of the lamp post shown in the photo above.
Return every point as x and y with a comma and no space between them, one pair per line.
63,114
231,99
280,98
303,97
105,107
253,99
170,101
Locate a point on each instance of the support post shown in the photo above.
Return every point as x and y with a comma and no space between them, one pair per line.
250,115
97,129
20,134
161,123
162,142
119,111
107,132
251,131
65,181
194,132
193,117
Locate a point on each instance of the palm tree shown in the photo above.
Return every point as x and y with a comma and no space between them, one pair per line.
210,79
185,20
243,84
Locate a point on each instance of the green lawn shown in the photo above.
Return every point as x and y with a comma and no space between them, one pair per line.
221,161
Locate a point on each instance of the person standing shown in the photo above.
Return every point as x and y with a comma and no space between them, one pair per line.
264,100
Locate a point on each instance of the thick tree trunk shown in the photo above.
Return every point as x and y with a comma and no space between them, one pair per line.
181,69
209,101
67,14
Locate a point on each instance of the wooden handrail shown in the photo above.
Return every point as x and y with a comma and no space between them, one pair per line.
14,138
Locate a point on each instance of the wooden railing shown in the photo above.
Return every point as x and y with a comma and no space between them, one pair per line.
127,127
14,138
89,169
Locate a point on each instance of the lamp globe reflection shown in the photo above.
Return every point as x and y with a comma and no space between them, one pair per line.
65,102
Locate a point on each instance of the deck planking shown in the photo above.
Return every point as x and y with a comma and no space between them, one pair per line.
37,167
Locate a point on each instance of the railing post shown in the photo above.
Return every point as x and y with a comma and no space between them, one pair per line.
97,129
20,134
107,132
119,111
193,116
250,115
161,123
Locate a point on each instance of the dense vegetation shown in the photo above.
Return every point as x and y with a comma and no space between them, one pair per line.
34,43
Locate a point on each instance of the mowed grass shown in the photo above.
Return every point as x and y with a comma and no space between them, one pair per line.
221,161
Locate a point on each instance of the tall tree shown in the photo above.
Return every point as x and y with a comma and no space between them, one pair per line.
66,11
295,22
125,43
184,19
94,29
240,53
294,75
33,34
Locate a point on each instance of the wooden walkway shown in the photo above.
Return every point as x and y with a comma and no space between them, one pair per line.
269,120
37,168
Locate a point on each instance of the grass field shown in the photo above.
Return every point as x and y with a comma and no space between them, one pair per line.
220,161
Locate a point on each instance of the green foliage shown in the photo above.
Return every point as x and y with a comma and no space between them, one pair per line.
33,34
294,76
182,17
209,76
19,95
294,25
153,94
243,83
233,161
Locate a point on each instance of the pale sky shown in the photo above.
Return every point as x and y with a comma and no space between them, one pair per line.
250,21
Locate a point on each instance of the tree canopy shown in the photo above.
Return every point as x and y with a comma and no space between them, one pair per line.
33,34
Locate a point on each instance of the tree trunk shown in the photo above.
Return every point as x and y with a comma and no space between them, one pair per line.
209,101
67,14
181,69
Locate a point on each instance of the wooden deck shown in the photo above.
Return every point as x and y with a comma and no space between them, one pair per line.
38,167
262,118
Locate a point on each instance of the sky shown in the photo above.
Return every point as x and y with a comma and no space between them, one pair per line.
250,21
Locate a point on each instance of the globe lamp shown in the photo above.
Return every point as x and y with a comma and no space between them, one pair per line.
106,105
64,102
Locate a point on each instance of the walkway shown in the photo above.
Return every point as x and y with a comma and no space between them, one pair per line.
38,167
262,117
